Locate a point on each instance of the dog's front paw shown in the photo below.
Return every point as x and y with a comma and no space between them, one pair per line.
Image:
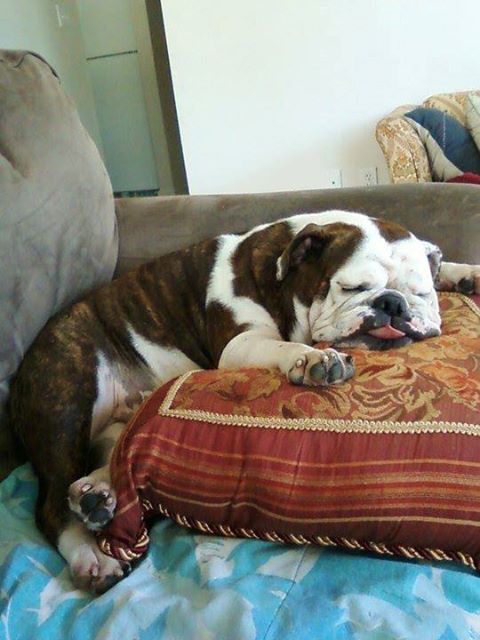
464,278
470,283
93,501
317,367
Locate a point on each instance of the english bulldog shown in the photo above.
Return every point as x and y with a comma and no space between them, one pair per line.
258,299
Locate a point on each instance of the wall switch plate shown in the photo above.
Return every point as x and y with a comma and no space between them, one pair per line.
333,178
369,176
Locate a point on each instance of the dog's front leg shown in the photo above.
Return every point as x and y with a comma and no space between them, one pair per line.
263,347
454,276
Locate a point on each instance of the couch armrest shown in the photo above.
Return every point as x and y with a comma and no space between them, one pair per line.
448,214
404,152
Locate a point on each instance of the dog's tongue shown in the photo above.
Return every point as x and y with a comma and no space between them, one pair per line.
386,333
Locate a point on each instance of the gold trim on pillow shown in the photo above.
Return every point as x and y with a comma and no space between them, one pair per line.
381,548
468,301
310,424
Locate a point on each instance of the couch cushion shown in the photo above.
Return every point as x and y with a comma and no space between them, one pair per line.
57,223
450,146
467,178
388,462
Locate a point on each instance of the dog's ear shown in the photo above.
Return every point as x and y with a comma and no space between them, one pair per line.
434,256
311,240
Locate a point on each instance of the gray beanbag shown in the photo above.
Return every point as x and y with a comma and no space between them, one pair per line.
58,234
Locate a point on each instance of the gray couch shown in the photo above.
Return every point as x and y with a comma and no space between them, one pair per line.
61,233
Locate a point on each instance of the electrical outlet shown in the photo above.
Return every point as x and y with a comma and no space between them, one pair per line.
370,176
333,178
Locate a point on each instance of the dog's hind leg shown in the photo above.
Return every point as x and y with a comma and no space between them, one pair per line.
91,569
53,420
92,498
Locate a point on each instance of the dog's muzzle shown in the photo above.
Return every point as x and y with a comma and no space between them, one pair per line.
387,326
391,316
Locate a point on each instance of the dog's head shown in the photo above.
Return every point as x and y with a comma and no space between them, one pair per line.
370,285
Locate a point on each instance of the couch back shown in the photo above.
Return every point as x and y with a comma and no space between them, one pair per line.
447,214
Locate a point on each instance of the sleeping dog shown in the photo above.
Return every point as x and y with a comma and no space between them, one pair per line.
257,299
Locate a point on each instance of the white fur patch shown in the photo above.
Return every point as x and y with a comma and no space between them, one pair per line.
165,363
261,348
111,394
220,286
301,331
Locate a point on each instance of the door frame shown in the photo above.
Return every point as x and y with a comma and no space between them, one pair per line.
159,95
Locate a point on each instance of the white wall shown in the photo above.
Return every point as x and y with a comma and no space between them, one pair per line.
272,94
32,24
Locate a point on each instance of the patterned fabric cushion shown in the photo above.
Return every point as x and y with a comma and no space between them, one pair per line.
450,147
473,117
404,151
388,462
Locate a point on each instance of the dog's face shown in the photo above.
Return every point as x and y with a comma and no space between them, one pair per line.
367,290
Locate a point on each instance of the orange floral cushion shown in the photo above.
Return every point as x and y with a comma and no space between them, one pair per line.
388,462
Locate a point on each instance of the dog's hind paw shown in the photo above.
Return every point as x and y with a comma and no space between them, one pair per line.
95,572
90,568
93,501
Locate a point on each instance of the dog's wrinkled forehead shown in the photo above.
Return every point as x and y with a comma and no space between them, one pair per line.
380,262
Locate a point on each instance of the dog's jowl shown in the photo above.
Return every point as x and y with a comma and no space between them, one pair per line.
257,299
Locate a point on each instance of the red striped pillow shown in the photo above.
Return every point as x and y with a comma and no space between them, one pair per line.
388,462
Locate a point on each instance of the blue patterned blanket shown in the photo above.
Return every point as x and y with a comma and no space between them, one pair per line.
193,587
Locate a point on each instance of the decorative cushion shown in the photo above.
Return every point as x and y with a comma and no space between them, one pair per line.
450,146
388,462
57,225
451,103
467,178
473,117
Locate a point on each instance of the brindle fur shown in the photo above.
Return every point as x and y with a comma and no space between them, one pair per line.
55,388
391,231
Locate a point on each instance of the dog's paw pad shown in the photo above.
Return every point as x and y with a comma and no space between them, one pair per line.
466,286
93,502
321,368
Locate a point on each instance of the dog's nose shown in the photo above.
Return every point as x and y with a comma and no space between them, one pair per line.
392,304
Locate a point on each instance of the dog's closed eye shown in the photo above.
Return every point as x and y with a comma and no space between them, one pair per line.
357,289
